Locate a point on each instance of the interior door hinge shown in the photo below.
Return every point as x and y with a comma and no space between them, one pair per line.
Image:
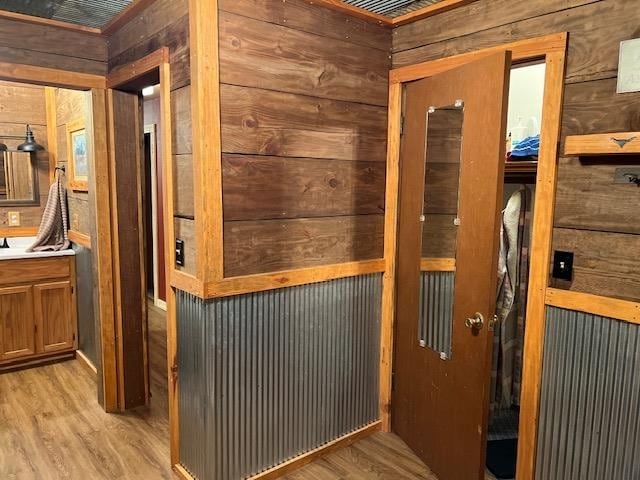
402,125
393,381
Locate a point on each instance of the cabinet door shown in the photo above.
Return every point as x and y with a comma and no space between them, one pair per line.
17,323
55,317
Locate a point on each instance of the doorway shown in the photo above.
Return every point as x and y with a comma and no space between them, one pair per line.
455,187
153,197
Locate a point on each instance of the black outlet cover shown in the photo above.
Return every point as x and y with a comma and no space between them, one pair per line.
563,265
180,252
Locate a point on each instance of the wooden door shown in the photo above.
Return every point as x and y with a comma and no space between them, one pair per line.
55,317
17,323
452,154
126,151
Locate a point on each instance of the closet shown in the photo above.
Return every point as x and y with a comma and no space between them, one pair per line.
526,90
467,183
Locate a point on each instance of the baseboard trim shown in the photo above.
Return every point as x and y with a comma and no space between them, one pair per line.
181,472
306,458
88,364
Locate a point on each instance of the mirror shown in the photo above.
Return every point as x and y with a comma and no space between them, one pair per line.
18,178
443,149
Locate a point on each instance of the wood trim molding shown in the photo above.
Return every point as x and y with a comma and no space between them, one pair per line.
619,143
438,264
100,185
48,22
50,76
429,11
207,151
306,458
529,49
81,239
13,232
542,237
86,363
390,254
133,70
270,281
133,9
290,278
52,130
624,310
182,472
358,12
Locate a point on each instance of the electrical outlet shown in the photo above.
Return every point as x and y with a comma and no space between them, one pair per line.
14,219
180,252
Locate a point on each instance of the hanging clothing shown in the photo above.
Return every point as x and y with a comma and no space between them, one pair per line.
53,233
513,274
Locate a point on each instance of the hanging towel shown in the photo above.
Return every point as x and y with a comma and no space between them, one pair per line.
513,272
53,233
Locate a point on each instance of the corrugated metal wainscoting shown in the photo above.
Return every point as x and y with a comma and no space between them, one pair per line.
267,376
589,426
436,310
84,296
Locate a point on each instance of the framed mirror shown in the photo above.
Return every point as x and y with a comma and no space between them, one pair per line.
18,178
443,149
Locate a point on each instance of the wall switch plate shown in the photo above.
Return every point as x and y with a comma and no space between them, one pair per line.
563,265
14,219
627,176
180,252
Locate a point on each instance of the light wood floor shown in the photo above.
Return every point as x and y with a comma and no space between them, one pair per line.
51,427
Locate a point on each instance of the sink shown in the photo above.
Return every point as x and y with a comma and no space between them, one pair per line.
17,250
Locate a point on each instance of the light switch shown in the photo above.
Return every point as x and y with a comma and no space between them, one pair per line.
563,265
14,219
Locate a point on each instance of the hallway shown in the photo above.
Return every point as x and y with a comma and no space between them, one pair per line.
51,427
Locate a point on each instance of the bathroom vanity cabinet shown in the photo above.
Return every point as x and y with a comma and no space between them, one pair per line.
38,315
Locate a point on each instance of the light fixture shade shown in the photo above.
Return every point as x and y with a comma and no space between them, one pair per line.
29,144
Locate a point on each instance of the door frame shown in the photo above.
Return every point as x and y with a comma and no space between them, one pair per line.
551,49
152,130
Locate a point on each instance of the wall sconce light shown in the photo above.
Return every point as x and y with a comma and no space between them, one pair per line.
29,144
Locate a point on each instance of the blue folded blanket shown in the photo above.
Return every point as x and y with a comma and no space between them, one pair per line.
528,147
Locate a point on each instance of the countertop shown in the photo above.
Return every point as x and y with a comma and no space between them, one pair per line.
17,250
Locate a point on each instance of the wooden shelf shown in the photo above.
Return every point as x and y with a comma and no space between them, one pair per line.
603,144
520,166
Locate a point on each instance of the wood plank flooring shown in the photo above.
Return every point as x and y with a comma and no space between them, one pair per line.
51,427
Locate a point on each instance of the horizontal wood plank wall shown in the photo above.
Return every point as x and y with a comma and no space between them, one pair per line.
165,23
22,104
52,47
303,108
593,215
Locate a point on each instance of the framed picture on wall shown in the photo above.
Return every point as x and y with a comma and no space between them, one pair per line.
77,156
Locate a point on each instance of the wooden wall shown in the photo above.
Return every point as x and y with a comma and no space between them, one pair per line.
594,218
22,104
72,105
303,108
52,47
166,23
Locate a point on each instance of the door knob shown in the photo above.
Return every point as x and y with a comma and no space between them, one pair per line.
476,322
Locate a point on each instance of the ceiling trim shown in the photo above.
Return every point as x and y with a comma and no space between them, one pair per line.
429,11
136,6
133,9
21,17
353,11
424,12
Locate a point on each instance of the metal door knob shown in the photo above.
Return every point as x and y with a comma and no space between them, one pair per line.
476,322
